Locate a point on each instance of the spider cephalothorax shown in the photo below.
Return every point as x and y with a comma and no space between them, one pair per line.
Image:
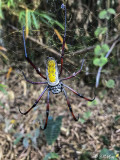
53,82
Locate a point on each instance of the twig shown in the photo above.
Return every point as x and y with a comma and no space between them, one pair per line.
44,46
90,48
100,68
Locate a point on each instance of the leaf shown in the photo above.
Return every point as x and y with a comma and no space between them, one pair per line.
17,140
100,30
105,48
103,14
117,118
53,129
35,22
81,120
97,50
51,155
1,13
106,154
110,83
111,11
105,140
93,103
2,88
87,114
60,38
25,142
100,61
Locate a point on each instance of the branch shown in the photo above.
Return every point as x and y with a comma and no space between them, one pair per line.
90,48
44,46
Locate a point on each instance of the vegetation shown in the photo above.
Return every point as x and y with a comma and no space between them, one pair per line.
93,34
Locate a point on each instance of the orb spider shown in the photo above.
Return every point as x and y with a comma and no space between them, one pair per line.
53,81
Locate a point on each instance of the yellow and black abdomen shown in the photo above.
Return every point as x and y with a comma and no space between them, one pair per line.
52,72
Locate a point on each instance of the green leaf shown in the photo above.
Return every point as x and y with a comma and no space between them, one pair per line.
110,83
105,140
51,155
97,50
53,129
2,88
103,14
100,30
111,11
117,118
106,154
1,13
22,18
87,115
100,61
105,48
81,120
35,22
93,103
25,142
17,140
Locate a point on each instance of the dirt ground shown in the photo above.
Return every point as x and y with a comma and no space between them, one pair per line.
75,137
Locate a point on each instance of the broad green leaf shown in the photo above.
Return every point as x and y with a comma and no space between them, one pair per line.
51,155
93,103
3,86
105,48
106,154
111,11
97,50
100,61
100,30
53,129
103,14
110,83
117,118
25,142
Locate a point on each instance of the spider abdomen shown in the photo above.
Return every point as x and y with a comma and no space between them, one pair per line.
56,89
52,72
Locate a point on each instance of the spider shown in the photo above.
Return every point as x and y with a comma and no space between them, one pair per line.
53,81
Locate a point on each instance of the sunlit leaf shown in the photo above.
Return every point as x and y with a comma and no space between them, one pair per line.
110,83
60,38
111,11
100,61
103,14
1,13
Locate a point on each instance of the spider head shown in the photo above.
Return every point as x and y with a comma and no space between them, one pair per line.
52,72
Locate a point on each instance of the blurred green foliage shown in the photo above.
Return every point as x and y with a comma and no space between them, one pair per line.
53,129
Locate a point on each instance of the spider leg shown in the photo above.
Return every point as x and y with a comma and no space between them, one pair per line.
37,70
79,94
24,113
63,45
74,74
70,108
31,81
47,111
